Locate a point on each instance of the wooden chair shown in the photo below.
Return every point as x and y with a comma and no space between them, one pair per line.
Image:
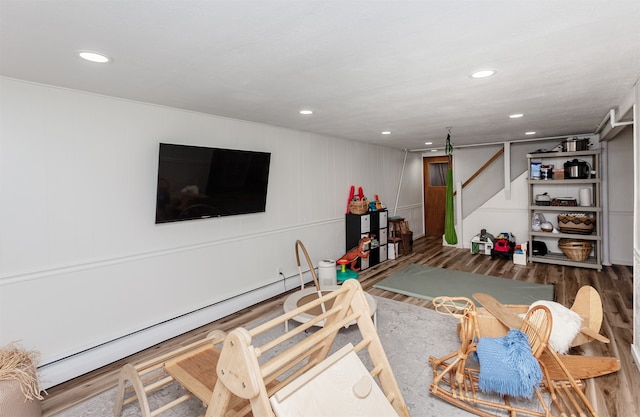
395,237
565,374
247,377
587,304
456,380
457,383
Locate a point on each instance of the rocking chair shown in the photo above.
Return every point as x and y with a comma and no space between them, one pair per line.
458,382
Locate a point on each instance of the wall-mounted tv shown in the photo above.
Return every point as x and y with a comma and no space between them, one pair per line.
196,182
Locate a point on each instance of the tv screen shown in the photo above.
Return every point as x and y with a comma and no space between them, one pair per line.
196,182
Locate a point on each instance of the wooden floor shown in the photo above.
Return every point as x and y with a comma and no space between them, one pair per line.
614,395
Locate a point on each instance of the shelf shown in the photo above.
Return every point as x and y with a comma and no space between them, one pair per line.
565,235
544,155
370,224
571,209
571,187
571,181
560,259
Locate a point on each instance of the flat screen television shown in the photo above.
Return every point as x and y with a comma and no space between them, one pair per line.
196,182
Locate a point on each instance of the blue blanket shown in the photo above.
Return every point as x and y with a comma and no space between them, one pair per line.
507,365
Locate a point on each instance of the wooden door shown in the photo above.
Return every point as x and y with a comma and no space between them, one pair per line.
435,188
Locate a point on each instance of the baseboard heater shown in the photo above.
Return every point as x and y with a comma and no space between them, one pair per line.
88,360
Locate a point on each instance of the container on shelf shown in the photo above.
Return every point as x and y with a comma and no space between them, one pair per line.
576,250
535,170
359,207
546,172
543,199
576,223
575,144
564,202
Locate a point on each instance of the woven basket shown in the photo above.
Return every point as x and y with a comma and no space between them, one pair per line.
359,207
575,250
564,201
577,225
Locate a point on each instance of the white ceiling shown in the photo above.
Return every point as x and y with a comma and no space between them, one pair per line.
362,66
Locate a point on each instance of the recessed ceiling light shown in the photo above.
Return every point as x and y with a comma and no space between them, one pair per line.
94,57
483,73
434,150
428,143
306,112
530,133
386,132
516,115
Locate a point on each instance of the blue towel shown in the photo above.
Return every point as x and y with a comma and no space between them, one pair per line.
507,365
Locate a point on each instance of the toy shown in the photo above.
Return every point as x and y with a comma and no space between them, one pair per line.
351,195
503,246
483,241
376,205
562,378
587,304
358,203
344,274
292,370
358,252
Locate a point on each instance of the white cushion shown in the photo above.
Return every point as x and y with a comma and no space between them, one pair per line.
566,325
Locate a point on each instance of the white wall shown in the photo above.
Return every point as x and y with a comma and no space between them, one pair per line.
499,214
620,175
82,262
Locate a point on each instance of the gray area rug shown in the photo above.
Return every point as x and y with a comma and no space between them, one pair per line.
428,282
409,334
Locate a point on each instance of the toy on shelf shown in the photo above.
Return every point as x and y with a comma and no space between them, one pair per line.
352,193
358,203
376,205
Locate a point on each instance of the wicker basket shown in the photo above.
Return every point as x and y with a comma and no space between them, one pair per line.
575,250
359,207
577,225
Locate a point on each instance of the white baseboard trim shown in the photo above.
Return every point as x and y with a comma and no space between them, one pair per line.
624,262
65,369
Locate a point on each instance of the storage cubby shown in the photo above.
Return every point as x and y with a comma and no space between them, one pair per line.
373,224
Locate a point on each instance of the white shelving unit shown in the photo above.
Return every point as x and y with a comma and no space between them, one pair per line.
566,188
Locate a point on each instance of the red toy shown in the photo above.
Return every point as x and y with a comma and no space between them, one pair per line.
352,256
502,245
351,194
